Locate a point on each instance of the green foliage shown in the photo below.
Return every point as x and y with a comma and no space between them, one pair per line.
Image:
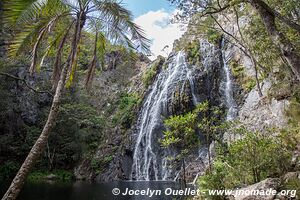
148,76
60,175
152,71
248,160
123,57
181,129
292,184
127,105
280,90
77,132
249,84
213,36
214,180
99,164
238,71
192,50
266,53
210,123
8,169
85,49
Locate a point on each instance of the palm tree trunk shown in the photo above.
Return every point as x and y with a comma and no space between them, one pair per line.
91,70
287,50
38,147
57,64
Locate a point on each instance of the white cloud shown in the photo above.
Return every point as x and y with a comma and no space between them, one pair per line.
159,30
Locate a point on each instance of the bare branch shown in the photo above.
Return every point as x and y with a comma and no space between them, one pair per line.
215,10
254,61
25,83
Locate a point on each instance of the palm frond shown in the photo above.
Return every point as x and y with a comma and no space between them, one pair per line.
42,34
23,39
14,9
119,18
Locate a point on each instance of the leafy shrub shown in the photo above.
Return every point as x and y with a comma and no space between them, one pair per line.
292,184
248,160
238,72
152,71
148,76
213,35
100,163
61,175
77,132
8,170
126,109
192,50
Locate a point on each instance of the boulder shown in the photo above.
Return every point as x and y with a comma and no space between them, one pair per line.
267,190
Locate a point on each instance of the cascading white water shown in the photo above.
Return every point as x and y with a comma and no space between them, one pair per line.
230,102
149,160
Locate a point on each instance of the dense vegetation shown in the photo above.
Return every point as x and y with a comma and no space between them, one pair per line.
63,42
251,159
55,29
255,156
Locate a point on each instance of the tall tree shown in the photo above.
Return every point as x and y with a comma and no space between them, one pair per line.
60,23
267,14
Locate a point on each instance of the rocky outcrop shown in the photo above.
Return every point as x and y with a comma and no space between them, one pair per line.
20,107
112,159
259,113
267,190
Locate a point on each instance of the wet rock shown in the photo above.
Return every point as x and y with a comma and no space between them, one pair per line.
83,171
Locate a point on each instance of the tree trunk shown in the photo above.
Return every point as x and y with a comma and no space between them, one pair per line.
92,67
57,64
184,178
287,50
209,156
39,145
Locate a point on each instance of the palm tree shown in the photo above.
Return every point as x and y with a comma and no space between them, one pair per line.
61,23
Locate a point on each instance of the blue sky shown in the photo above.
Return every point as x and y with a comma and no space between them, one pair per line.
154,17
140,7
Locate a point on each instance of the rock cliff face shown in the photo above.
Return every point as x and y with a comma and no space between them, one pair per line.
112,159
176,90
122,96
20,107
255,112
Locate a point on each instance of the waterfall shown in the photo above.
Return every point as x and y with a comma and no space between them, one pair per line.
150,160
230,102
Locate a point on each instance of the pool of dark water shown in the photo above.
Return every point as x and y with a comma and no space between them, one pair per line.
138,190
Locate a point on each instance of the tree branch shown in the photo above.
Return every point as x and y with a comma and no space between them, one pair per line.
287,21
26,84
215,11
254,61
